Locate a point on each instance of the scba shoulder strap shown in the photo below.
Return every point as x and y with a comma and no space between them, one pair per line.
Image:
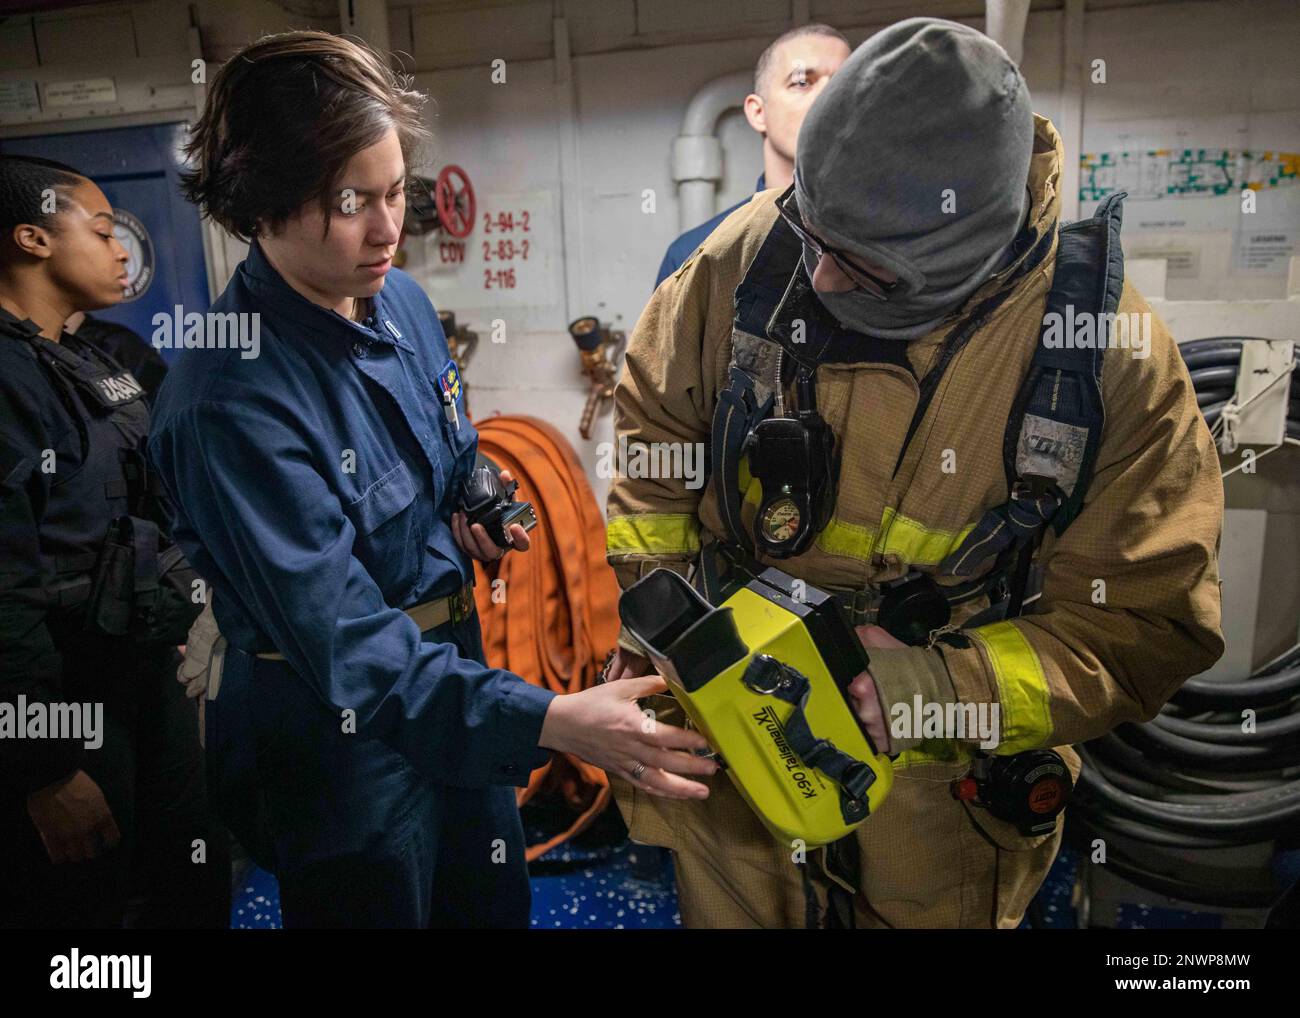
1054,430
753,378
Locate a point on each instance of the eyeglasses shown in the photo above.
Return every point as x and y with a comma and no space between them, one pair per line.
862,278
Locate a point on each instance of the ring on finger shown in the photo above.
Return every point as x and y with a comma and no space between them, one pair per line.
638,770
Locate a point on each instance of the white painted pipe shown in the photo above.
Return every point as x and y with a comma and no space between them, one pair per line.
1004,23
697,152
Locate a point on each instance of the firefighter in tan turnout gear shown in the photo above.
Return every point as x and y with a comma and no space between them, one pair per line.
997,395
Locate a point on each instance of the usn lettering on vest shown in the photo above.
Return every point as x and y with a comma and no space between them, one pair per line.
119,388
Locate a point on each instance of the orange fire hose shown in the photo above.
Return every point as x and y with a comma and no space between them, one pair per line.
554,619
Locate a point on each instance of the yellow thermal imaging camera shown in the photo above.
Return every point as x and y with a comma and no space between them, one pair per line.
764,676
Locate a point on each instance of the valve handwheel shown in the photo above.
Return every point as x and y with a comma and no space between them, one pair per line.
454,197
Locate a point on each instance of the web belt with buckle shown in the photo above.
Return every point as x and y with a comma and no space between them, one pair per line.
430,615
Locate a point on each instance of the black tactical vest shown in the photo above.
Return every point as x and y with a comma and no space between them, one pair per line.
103,538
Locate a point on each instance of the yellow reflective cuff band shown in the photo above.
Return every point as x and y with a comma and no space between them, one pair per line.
653,534
933,751
916,543
1022,687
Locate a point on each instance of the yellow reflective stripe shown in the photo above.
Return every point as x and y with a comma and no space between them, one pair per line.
653,534
1022,687
916,543
933,751
849,539
749,484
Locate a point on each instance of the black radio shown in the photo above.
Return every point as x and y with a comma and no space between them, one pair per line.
486,500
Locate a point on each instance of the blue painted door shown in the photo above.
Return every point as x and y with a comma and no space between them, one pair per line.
139,169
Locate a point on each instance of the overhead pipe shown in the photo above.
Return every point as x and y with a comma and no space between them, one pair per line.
697,151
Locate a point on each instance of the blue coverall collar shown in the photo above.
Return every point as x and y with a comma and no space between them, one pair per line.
263,278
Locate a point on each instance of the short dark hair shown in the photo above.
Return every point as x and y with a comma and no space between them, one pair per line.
25,183
283,117
764,65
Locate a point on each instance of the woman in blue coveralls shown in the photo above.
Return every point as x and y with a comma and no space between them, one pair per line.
359,747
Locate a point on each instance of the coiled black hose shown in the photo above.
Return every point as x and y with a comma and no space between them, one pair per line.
1203,782
1191,777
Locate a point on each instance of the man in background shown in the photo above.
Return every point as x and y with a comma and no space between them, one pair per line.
789,75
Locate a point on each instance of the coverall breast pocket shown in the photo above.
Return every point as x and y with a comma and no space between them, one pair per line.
389,532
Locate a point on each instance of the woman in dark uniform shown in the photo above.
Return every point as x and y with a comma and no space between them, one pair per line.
101,775
360,746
